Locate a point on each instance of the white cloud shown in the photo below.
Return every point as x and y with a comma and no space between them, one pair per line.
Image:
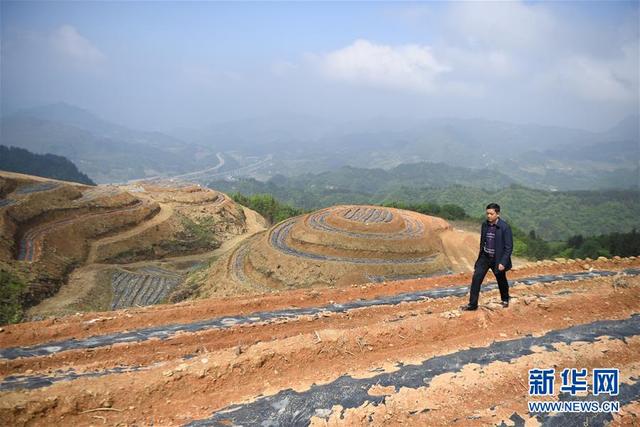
501,25
476,63
411,67
613,79
70,43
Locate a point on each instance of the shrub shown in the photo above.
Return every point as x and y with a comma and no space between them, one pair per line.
11,298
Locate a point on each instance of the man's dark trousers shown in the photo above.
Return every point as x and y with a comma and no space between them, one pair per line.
483,264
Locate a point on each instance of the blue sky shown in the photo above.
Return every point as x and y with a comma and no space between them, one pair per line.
159,65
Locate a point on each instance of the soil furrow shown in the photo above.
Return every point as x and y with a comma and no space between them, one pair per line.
421,327
86,324
164,332
293,408
355,344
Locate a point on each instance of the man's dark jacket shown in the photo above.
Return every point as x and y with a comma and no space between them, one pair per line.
504,243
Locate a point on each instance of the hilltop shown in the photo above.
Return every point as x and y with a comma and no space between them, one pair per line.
337,247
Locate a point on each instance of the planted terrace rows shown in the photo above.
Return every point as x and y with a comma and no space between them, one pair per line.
278,240
144,288
163,332
30,246
66,238
343,245
420,361
413,226
25,190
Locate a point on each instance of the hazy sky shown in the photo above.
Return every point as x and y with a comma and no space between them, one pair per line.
158,65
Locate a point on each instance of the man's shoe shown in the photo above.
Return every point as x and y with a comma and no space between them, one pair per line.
469,307
505,304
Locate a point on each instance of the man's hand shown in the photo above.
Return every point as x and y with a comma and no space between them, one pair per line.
500,267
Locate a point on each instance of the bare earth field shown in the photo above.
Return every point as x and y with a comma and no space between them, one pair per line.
392,353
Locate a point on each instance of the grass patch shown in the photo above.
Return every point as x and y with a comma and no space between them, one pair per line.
12,292
201,231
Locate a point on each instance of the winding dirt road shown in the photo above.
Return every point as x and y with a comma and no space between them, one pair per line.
163,215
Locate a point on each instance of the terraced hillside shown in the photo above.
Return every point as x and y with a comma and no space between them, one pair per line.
343,245
394,353
93,248
47,226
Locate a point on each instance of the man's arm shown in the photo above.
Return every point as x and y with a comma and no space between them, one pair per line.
482,227
507,236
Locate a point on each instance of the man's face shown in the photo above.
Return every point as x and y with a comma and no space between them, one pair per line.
492,215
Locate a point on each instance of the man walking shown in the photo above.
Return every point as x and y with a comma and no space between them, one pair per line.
496,245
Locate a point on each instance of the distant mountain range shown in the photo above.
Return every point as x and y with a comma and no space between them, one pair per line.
107,152
545,157
19,160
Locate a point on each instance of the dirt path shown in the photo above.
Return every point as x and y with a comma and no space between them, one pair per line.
164,214
79,284
107,322
418,362
31,243
254,225
291,314
460,248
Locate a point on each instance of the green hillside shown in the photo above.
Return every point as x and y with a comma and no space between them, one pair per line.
551,215
13,159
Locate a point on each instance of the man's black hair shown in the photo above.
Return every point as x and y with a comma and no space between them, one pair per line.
494,206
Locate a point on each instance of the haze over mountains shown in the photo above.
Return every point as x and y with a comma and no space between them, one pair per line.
537,156
107,152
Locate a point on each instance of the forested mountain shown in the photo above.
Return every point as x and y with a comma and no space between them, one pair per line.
416,174
553,215
356,185
13,159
